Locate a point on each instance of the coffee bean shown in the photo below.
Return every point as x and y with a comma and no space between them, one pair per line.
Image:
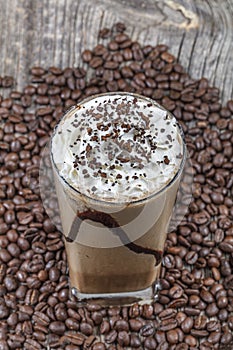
172,336
54,274
41,318
177,303
147,311
223,315
226,338
135,325
74,338
72,324
10,283
4,310
180,317
97,317
168,324
176,292
99,346
111,337
187,325
191,311
157,308
38,71
135,341
214,337
191,341
150,343
86,328
12,320
123,338
5,255
121,325
113,320
199,333
226,247
167,314
57,327
212,310
147,330
206,296
104,327
89,341
169,261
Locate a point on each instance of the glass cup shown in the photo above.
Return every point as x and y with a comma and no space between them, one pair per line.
114,243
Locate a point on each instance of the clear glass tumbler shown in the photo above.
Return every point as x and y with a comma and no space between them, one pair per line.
117,160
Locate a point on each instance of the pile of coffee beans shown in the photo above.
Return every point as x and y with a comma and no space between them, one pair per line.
194,310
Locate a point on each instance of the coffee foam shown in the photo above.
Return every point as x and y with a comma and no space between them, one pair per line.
118,147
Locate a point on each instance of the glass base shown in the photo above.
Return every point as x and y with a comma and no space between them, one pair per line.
144,296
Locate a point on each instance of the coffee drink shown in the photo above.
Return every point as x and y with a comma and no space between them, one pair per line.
117,160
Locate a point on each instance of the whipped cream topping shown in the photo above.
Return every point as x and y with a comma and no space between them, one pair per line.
117,147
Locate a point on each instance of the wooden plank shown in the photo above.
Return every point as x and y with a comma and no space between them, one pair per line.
49,32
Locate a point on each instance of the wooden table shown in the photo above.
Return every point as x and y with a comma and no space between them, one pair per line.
53,33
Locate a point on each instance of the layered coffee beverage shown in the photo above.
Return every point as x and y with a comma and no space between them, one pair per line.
117,160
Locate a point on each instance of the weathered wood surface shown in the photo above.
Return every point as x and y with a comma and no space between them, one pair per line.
49,32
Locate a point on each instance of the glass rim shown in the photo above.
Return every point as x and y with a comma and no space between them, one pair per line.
109,202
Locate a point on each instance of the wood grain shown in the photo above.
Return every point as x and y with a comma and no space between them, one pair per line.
54,33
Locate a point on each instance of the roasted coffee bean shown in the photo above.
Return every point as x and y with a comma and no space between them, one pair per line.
4,310
180,317
97,317
74,338
72,324
213,326
121,325
190,340
135,325
168,324
187,325
60,312
212,310
147,311
191,311
10,283
89,341
199,333
206,296
147,330
111,337
86,328
176,292
123,338
226,338
172,336
214,337
135,341
104,327
99,346
54,274
178,303
167,314
150,343
57,327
